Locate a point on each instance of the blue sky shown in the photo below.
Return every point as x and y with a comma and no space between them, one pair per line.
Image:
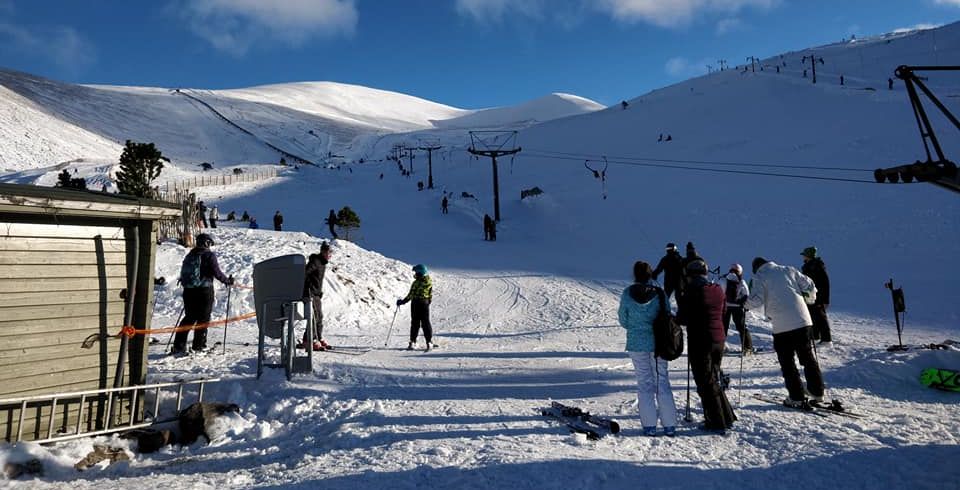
466,53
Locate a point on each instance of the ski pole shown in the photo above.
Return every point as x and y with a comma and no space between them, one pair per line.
687,417
391,325
227,320
177,324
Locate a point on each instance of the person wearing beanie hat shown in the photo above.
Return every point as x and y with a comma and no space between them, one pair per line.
736,293
814,268
420,295
197,273
690,257
783,292
701,310
314,271
671,265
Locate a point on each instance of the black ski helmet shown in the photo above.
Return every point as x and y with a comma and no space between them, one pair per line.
204,240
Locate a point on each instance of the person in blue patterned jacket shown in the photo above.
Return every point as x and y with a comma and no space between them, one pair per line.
639,305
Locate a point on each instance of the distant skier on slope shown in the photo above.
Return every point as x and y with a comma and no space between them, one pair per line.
420,295
783,293
639,305
701,310
814,268
278,221
444,205
671,265
331,222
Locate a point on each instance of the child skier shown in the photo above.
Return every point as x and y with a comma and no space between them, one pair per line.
421,291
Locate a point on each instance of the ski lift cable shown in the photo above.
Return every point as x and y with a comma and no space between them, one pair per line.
715,170
702,162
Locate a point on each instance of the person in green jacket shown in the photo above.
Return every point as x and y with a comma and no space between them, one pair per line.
421,291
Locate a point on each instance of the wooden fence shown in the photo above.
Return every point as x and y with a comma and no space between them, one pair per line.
186,227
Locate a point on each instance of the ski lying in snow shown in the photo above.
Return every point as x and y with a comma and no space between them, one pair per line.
836,407
575,424
941,379
607,424
350,351
806,408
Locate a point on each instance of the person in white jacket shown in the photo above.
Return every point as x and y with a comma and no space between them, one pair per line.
784,292
736,292
214,216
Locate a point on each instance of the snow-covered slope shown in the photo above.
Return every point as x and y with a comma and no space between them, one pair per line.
309,120
353,104
553,106
32,138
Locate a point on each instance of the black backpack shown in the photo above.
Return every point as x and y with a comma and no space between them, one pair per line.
731,291
667,334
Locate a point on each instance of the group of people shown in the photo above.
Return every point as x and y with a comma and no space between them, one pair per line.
795,302
200,269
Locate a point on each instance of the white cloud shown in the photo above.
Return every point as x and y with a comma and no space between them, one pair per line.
955,3
64,46
497,10
236,25
728,25
675,13
680,67
918,27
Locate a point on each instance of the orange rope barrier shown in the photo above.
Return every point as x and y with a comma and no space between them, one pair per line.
131,331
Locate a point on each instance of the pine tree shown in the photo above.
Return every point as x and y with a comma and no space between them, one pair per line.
140,163
347,220
63,179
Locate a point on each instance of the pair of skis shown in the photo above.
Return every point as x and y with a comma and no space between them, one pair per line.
580,421
821,409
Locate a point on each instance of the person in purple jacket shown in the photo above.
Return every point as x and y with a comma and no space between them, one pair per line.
197,273
701,310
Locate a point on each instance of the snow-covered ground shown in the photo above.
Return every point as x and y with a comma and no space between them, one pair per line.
532,317
466,415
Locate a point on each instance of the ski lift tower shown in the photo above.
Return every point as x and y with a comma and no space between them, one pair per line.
937,169
494,144
429,147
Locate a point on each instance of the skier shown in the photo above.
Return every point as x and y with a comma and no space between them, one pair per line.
782,291
421,292
232,216
245,217
199,269
277,221
487,225
672,267
841,79
691,256
624,104
313,291
814,268
331,222
889,84
419,185
639,305
214,216
493,230
253,224
443,205
737,292
201,215
701,310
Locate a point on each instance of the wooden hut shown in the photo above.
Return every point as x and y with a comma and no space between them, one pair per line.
75,267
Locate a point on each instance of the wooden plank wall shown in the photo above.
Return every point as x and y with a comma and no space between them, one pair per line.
59,285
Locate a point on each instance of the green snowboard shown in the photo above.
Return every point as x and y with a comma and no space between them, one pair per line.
941,379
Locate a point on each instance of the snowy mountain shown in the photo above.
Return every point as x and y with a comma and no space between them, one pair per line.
309,120
757,163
